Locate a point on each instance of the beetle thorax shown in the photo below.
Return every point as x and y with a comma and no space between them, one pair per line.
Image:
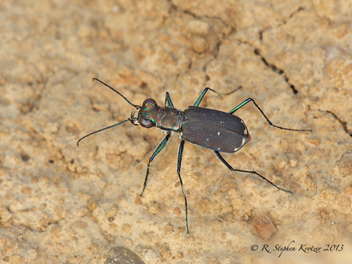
170,118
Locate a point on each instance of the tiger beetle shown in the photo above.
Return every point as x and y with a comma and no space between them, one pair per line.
209,128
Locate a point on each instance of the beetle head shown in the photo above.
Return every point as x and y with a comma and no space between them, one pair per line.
147,114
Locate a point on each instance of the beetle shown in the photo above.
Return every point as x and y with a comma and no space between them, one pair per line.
209,128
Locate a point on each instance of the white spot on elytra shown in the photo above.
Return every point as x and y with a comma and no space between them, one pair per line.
236,149
218,133
245,131
243,141
218,148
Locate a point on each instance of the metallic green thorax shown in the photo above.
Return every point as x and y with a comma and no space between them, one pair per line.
170,118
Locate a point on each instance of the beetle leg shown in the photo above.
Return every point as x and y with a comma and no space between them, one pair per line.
161,145
217,154
179,160
168,101
200,98
261,111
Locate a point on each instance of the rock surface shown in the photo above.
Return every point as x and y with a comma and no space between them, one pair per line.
66,204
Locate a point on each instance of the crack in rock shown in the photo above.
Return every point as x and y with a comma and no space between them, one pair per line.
277,70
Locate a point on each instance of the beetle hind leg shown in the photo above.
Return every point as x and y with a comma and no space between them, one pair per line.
266,118
217,154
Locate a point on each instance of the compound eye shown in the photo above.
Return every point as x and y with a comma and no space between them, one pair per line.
145,122
149,103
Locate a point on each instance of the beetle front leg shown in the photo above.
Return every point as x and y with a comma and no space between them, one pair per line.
217,154
168,101
161,145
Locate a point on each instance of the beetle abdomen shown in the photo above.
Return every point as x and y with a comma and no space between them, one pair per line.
214,129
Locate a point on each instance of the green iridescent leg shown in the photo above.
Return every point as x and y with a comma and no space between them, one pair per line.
200,98
161,145
168,101
261,111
